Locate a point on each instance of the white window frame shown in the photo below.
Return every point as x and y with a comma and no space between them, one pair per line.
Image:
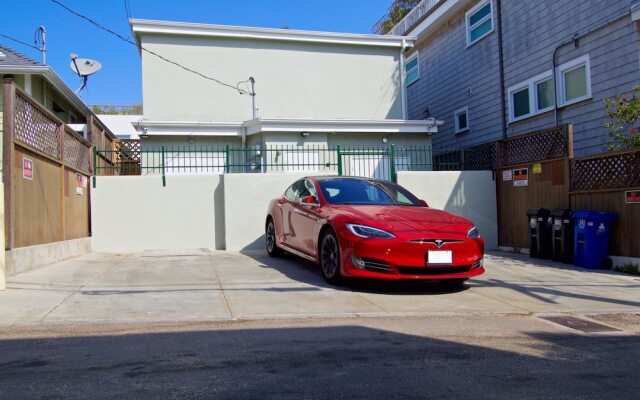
416,68
472,11
459,111
530,84
568,67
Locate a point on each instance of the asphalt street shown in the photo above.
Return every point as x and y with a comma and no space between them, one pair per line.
506,357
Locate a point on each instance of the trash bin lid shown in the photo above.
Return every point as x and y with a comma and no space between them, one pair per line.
538,212
561,212
594,215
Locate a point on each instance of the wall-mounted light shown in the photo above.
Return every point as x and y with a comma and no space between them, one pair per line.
304,134
385,140
145,134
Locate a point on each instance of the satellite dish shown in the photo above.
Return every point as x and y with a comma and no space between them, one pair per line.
84,67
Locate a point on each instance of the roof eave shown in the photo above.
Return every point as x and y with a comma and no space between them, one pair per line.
53,78
139,26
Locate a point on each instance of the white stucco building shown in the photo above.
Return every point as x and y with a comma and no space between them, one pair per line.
312,88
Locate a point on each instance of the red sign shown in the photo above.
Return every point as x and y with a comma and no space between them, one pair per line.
632,196
27,168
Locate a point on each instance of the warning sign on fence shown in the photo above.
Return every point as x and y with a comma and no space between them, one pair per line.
521,177
27,168
632,196
81,184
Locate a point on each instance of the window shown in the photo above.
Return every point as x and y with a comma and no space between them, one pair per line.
520,99
575,80
544,94
412,70
531,97
461,120
479,22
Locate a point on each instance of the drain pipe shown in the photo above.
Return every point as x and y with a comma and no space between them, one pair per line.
403,86
503,105
574,39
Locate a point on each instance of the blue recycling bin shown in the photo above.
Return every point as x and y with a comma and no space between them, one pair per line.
591,237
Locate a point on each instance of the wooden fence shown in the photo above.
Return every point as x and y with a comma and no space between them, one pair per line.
554,179
46,169
599,183
533,172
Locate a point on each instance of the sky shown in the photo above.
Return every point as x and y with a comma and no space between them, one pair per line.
119,80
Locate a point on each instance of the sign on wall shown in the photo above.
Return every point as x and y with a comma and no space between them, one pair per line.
27,168
81,184
632,197
537,168
521,177
507,175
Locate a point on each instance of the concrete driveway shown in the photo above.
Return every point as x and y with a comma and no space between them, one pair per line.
202,286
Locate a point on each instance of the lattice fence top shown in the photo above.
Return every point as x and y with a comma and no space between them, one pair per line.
35,128
76,152
615,171
127,150
482,157
540,146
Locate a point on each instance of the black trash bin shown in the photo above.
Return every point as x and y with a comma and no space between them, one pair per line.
539,233
562,235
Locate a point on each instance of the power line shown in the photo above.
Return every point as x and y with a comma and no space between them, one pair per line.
21,42
119,36
126,9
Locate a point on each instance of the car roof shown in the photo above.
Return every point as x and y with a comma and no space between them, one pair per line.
335,178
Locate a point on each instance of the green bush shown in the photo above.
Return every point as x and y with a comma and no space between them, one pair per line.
623,113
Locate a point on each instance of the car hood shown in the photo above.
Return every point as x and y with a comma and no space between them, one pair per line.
408,222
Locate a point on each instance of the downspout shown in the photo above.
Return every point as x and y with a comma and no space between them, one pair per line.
403,87
503,106
574,39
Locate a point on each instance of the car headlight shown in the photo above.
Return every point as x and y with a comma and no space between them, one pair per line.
473,233
369,232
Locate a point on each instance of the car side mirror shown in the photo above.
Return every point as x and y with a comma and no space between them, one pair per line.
424,203
309,200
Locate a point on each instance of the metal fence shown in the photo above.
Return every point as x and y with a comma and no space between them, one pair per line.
375,162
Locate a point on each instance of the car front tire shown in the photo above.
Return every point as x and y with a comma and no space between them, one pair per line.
330,258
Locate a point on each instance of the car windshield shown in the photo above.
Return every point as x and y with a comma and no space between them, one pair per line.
366,192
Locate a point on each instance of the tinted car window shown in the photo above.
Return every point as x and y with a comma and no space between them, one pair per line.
400,194
297,191
359,191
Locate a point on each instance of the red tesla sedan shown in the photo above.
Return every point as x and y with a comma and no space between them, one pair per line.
369,228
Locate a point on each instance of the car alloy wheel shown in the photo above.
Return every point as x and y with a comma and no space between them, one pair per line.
272,248
330,258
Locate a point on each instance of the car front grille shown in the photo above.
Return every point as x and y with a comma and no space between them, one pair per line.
432,270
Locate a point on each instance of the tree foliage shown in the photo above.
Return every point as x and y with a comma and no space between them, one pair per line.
623,113
398,10
117,110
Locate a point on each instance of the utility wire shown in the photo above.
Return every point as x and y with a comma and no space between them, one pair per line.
21,42
126,9
91,21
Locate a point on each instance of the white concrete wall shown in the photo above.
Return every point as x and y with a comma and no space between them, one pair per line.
471,194
247,198
137,213
293,79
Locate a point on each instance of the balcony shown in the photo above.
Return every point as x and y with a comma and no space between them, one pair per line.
411,20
